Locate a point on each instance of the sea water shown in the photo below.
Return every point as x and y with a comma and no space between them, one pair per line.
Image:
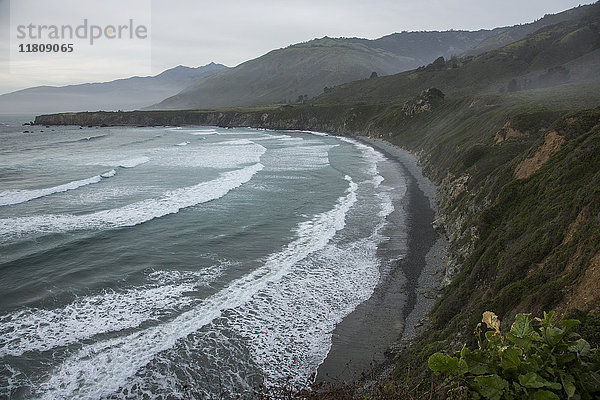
180,262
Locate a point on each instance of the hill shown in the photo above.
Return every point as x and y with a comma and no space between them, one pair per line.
303,70
562,53
122,94
518,32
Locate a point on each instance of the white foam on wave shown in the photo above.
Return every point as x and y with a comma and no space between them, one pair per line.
41,330
11,197
130,163
88,138
286,326
312,133
372,155
100,369
202,132
300,158
291,139
131,214
272,137
235,142
221,155
183,143
109,174
289,324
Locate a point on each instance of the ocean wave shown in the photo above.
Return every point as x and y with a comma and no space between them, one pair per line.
132,214
12,197
300,158
41,330
88,138
202,132
311,132
289,325
109,174
100,369
183,143
271,137
221,155
131,163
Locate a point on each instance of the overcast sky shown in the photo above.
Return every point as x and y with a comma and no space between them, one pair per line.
196,32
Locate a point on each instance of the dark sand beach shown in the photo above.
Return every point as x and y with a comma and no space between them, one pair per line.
407,287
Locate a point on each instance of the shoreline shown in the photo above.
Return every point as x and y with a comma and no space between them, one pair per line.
404,295
362,341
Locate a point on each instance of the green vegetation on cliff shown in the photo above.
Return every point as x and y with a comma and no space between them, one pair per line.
540,359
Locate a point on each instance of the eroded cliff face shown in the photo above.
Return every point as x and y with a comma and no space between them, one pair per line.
527,167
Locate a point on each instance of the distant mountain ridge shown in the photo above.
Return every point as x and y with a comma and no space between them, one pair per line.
512,34
122,94
306,69
567,52
301,71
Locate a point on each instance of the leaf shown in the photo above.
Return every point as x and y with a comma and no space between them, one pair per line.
581,347
521,328
569,323
567,382
491,387
525,343
553,385
565,358
532,380
491,320
553,335
493,338
439,362
463,367
511,358
518,388
477,367
545,395
569,388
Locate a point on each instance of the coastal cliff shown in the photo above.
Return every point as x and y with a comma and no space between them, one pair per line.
517,178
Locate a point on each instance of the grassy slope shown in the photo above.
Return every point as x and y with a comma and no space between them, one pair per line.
282,75
521,258
489,72
519,32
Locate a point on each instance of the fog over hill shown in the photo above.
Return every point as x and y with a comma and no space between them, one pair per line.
122,94
307,69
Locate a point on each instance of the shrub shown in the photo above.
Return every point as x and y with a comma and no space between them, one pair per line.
537,359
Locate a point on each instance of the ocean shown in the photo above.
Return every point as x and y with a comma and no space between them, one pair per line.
183,262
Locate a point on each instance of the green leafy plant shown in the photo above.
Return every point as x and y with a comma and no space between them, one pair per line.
537,359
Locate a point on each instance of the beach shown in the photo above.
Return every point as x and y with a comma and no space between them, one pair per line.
406,290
